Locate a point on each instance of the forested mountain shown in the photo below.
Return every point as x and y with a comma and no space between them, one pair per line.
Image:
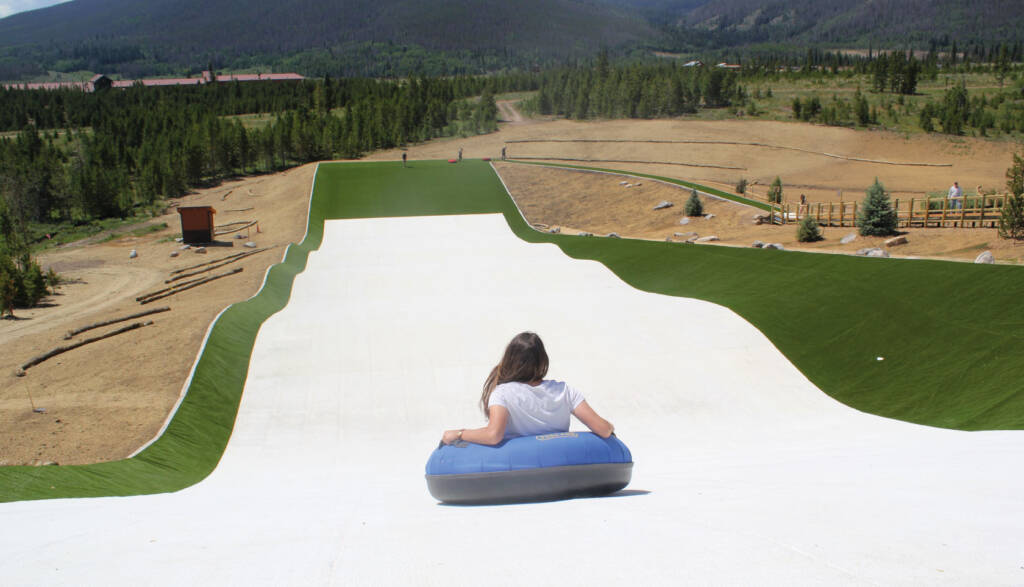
885,23
383,38
128,36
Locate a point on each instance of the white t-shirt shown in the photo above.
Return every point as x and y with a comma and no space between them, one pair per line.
536,410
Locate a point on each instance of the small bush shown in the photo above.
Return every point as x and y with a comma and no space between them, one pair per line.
741,186
694,207
807,231
775,191
876,216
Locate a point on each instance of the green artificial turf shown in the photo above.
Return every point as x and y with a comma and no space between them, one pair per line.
950,333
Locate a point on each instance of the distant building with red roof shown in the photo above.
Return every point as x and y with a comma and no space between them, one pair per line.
101,82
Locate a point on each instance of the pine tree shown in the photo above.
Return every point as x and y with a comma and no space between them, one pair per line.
694,207
1011,220
775,191
876,216
807,231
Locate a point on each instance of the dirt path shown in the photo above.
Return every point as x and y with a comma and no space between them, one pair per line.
508,113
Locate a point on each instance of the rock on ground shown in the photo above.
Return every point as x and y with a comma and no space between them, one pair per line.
848,238
986,258
896,240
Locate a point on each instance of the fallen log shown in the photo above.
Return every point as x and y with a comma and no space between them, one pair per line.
72,333
64,349
160,291
190,267
222,263
190,286
222,232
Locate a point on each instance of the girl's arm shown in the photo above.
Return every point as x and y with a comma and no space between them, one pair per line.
490,434
598,425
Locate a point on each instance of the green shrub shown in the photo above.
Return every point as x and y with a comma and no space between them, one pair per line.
807,231
876,216
1011,220
694,207
775,191
741,186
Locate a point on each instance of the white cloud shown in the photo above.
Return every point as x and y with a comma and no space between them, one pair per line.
5,10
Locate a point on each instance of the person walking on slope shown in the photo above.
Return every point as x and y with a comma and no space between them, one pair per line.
956,196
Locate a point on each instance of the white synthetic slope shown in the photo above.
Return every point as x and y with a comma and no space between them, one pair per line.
745,472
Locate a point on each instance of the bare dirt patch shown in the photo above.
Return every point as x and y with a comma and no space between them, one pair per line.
105,399
599,203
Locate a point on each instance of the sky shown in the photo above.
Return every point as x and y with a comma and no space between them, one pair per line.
9,7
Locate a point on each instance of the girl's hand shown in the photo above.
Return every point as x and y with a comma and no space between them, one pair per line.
450,436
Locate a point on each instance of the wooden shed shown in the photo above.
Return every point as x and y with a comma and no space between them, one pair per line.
196,224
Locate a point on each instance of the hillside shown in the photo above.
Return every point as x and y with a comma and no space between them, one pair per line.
386,38
882,22
124,35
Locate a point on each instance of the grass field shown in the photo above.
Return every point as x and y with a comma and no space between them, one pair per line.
948,332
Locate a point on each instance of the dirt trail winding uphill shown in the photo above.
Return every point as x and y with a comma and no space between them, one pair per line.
507,112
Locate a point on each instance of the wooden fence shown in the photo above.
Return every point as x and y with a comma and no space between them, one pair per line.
938,212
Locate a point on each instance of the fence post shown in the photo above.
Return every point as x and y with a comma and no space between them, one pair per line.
897,212
853,218
830,213
910,213
963,210
981,220
945,209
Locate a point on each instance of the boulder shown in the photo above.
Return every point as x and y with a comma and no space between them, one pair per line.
709,216
707,239
896,240
683,234
684,221
174,253
250,245
873,252
760,219
614,235
584,234
200,250
664,204
985,258
692,239
848,238
757,244
776,246
555,230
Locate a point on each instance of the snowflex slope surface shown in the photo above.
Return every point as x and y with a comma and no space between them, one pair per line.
384,342
746,473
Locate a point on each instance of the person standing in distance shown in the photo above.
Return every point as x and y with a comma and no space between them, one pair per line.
955,196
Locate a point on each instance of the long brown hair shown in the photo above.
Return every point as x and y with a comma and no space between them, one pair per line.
525,360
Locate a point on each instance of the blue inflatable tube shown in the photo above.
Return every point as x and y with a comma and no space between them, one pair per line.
529,468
